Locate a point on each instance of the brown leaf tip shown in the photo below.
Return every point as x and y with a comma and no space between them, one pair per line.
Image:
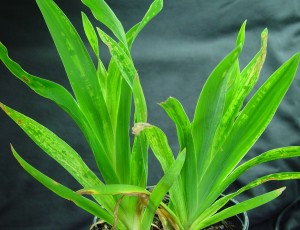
138,127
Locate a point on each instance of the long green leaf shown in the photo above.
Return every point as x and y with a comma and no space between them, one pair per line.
46,88
249,126
65,192
123,156
246,82
161,189
82,76
162,151
90,33
93,40
59,150
124,62
105,15
123,103
153,10
189,172
240,207
139,157
256,115
274,154
209,110
234,72
222,201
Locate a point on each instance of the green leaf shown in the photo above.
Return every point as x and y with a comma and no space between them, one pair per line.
162,151
45,88
245,84
240,40
158,143
161,189
255,117
90,34
83,78
274,154
209,110
222,201
239,208
93,40
139,161
154,9
139,157
65,192
105,15
60,151
252,121
123,61
176,112
122,134
189,172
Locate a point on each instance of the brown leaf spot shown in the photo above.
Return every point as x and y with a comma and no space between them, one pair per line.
138,127
25,79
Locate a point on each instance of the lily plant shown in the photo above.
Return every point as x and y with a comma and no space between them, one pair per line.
101,107
212,145
223,130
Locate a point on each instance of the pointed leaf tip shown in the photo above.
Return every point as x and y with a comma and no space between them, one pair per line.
4,108
281,190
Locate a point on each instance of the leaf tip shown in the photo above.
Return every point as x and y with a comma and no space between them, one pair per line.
4,108
139,127
281,190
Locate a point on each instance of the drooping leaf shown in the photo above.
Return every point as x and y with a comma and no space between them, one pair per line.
274,154
222,201
60,151
65,192
239,208
46,88
189,172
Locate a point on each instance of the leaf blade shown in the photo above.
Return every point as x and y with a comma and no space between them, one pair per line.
64,192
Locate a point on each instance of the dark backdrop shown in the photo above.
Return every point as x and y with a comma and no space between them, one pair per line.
174,55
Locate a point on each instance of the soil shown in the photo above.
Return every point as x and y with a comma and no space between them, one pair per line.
228,224
232,223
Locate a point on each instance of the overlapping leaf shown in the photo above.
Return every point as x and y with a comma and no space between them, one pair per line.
65,192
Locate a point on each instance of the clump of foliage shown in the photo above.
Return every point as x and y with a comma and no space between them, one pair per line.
211,145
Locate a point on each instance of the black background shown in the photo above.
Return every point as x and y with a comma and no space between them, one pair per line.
174,55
